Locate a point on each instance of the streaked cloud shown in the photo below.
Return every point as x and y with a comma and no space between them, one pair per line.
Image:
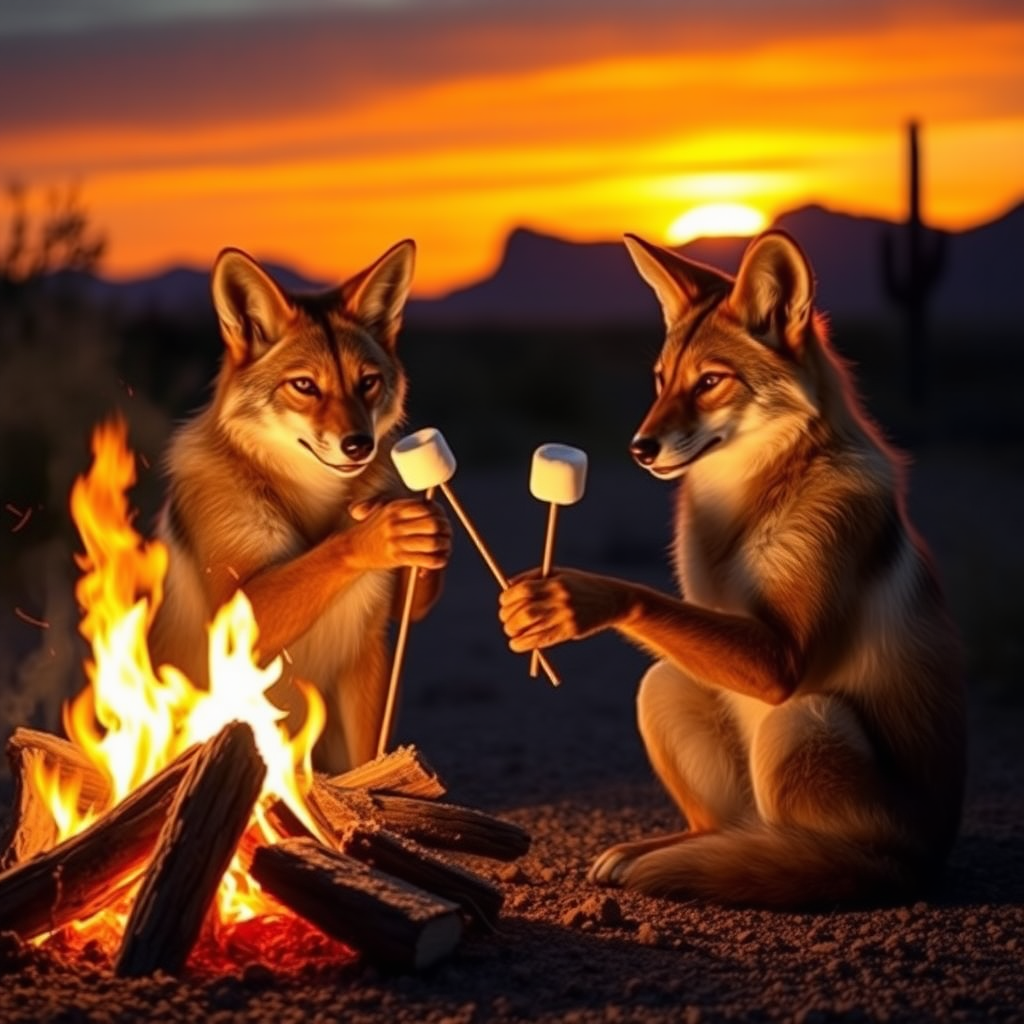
351,124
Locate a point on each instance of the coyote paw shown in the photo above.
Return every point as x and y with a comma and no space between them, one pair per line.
611,866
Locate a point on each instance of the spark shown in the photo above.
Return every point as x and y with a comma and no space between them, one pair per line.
15,511
31,619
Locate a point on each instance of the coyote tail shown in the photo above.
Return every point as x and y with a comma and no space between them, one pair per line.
775,867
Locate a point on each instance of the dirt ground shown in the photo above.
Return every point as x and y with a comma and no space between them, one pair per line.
568,765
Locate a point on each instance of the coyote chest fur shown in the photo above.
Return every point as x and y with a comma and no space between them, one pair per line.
254,522
283,487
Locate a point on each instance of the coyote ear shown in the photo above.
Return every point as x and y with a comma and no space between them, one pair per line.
679,283
774,290
252,309
376,296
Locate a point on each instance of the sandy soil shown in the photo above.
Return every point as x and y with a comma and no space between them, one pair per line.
567,764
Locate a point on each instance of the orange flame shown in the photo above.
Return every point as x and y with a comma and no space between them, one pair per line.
132,720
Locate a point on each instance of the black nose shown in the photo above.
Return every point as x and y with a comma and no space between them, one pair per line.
645,449
357,446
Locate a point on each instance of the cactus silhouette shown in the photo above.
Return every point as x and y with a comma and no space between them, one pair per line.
909,282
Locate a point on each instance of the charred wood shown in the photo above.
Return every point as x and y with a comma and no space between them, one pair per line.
391,922
210,812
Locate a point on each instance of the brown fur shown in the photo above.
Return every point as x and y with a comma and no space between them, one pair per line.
251,503
807,712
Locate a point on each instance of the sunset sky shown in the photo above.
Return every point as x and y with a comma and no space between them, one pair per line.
319,132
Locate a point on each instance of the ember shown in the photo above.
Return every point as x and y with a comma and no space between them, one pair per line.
137,837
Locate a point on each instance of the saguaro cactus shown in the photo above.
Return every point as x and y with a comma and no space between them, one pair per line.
909,282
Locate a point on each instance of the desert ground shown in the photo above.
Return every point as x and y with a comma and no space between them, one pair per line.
567,764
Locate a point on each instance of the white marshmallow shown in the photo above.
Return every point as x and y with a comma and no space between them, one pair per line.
558,474
423,459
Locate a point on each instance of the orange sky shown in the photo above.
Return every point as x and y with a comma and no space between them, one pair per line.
321,142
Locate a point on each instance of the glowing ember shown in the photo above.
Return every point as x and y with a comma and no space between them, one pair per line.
131,720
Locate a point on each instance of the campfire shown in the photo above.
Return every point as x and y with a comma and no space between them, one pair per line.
177,825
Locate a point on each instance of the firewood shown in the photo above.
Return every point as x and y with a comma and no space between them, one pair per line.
433,823
210,812
391,922
408,860
75,879
402,771
32,828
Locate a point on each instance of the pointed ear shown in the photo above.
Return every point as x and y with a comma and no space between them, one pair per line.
679,283
252,309
376,297
774,289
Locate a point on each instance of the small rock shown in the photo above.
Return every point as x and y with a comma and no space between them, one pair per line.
512,873
92,953
549,874
647,934
597,911
692,1015
604,910
574,917
257,975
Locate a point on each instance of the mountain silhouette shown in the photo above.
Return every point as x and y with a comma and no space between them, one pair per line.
549,281
546,280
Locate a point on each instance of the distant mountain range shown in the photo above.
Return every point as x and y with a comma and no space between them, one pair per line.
551,281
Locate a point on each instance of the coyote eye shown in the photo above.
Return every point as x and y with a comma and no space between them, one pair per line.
707,382
368,384
305,386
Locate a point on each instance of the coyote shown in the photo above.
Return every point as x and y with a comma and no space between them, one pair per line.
283,486
806,713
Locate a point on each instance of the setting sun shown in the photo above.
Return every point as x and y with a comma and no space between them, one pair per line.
716,219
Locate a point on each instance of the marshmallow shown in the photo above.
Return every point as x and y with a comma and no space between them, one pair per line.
558,474
423,459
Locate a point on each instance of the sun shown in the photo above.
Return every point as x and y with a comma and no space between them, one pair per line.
715,220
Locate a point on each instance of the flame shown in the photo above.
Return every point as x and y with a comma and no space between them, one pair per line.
131,719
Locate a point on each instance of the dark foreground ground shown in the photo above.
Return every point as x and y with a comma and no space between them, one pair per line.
567,765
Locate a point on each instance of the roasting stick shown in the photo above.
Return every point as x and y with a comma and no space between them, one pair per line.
423,459
423,463
558,475
493,566
400,641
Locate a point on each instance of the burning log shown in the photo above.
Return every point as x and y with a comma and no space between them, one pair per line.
433,823
402,771
32,828
76,878
406,859
389,921
210,812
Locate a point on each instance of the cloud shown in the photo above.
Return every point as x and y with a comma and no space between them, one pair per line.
454,119
252,59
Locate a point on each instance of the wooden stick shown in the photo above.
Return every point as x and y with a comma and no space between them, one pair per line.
396,662
402,771
545,569
391,922
493,566
32,828
408,860
75,879
210,812
440,825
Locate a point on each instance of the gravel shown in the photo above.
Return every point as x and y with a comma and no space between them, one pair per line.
567,765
